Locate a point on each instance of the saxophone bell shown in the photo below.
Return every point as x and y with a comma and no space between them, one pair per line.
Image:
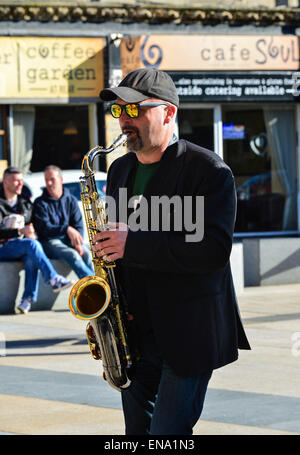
89,297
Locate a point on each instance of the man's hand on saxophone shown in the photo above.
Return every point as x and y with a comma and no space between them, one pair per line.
111,243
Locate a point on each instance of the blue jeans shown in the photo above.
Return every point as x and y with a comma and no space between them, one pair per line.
32,254
159,402
58,249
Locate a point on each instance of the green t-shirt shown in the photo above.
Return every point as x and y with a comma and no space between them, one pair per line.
141,177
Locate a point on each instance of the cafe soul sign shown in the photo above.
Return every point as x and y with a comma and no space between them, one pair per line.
211,52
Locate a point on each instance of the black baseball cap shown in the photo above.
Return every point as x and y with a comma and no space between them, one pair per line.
141,84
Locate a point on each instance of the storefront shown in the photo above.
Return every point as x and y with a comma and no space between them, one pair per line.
237,97
235,69
49,88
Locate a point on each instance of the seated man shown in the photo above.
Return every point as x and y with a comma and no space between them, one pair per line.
58,222
18,239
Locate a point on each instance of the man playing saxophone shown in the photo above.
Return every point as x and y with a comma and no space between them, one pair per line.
179,292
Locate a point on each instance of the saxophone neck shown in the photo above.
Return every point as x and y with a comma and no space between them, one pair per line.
89,158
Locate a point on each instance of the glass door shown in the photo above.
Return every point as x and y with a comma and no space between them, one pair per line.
260,147
61,136
201,124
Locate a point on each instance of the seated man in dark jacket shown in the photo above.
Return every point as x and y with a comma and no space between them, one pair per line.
18,239
58,222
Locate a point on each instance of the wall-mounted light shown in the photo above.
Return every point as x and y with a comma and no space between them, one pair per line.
70,129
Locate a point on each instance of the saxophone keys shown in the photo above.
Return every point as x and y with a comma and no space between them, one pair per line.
93,345
95,352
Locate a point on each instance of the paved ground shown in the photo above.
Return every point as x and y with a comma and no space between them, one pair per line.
51,386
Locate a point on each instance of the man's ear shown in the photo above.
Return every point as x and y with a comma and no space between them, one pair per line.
171,113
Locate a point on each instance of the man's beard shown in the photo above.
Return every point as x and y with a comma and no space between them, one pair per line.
134,142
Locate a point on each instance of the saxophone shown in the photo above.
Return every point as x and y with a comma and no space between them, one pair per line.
97,298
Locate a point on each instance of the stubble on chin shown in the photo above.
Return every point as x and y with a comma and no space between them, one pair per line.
135,144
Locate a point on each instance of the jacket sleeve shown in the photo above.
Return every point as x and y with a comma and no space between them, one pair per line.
6,233
44,225
171,252
9,233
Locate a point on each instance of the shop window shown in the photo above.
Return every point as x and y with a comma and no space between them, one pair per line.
22,132
196,125
61,137
3,155
3,140
260,148
282,3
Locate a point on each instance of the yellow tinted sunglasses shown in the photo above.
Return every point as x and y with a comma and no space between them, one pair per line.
132,110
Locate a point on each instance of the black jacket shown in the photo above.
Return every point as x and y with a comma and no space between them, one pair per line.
186,288
23,207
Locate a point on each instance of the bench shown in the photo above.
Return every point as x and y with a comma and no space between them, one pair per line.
271,261
237,266
12,285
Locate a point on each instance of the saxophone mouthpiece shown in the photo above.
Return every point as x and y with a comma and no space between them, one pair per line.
120,140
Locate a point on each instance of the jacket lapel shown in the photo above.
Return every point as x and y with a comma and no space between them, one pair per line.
163,182
119,193
166,177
